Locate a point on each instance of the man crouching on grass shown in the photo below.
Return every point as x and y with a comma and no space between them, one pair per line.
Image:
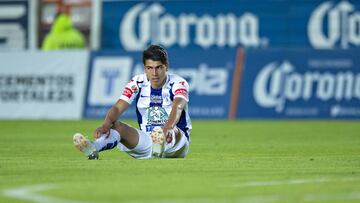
161,102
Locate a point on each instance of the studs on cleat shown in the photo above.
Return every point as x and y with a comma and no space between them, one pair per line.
94,156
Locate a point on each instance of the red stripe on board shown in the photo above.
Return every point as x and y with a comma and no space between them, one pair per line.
235,88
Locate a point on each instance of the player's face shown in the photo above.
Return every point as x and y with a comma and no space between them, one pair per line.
155,72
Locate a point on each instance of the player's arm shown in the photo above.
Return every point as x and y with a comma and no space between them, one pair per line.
177,108
128,95
181,98
111,117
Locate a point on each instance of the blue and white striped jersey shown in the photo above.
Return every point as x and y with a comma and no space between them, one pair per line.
153,106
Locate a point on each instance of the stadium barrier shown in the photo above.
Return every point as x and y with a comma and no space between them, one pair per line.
247,84
18,25
316,77
209,76
207,24
300,83
42,85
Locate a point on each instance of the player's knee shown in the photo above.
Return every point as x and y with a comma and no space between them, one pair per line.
119,126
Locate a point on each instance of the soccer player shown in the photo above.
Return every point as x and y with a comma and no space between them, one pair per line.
161,102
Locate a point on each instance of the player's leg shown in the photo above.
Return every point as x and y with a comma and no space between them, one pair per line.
91,149
134,142
173,145
129,135
106,143
120,132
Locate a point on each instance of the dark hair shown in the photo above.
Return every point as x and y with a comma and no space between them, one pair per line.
155,53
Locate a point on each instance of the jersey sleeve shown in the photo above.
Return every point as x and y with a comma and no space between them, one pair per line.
181,89
130,91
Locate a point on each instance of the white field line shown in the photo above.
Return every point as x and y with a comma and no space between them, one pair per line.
323,197
28,193
332,197
291,182
246,199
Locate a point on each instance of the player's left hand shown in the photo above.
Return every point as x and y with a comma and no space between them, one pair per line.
169,133
103,130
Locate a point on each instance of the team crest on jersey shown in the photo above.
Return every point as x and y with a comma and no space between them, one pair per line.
157,115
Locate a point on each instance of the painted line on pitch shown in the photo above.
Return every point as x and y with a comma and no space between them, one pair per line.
252,199
290,182
332,197
262,198
29,193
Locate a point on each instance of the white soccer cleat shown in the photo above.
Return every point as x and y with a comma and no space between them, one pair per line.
158,141
85,146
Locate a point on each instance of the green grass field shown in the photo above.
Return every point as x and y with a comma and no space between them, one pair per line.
238,161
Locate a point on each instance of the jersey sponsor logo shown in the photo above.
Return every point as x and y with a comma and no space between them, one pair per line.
157,115
182,92
143,24
127,92
156,99
276,84
334,26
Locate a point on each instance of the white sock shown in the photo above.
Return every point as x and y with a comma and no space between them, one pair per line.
103,143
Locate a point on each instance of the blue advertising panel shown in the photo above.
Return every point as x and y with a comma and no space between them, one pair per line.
209,76
14,26
319,24
300,83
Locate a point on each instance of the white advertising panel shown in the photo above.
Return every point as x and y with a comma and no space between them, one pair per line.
108,73
42,85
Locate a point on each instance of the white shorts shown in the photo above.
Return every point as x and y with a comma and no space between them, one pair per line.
143,149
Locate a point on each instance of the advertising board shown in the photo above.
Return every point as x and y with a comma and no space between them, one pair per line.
300,83
209,76
133,25
42,85
14,25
